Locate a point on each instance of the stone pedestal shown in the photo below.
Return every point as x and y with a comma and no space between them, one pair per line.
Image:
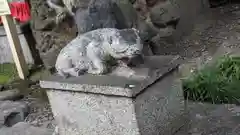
5,51
114,105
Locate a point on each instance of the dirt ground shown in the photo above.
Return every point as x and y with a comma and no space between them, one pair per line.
219,26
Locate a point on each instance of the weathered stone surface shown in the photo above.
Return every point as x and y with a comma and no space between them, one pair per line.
147,50
44,25
98,15
146,30
22,128
10,94
166,32
164,13
162,40
106,14
49,58
119,115
12,112
141,8
125,13
189,15
114,85
149,112
49,38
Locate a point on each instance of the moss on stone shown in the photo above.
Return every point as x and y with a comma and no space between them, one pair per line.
8,73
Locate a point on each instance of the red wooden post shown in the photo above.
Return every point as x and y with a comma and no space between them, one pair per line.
13,39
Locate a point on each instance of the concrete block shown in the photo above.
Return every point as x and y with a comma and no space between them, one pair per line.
114,105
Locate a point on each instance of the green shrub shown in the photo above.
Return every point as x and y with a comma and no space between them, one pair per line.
8,73
215,83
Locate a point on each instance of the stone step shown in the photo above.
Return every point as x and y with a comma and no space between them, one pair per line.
22,128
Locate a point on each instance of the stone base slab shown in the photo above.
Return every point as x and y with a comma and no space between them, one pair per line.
83,106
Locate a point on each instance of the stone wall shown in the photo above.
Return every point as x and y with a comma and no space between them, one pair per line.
49,38
172,19
5,50
160,22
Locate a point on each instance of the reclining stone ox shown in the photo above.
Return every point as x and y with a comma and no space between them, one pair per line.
93,51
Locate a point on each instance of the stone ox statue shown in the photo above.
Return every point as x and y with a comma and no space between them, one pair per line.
92,52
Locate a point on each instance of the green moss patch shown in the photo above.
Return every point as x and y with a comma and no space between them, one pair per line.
8,73
215,83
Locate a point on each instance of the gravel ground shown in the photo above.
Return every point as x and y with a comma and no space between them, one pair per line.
211,30
208,119
40,112
221,26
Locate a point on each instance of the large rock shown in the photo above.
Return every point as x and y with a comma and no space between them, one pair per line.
106,14
164,13
162,40
125,13
146,30
22,128
98,15
12,112
48,36
10,94
141,8
189,15
51,38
